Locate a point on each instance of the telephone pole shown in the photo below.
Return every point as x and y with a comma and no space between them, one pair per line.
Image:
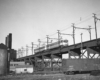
47,41
90,31
73,33
58,37
22,51
95,22
81,43
39,42
26,50
32,47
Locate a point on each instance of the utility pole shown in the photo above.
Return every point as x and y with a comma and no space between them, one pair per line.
39,42
32,47
90,31
81,40
47,41
95,21
58,37
73,33
19,52
26,50
22,51
81,44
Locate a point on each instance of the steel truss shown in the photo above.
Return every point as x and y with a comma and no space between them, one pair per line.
51,60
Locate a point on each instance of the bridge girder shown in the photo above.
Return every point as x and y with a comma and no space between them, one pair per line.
73,50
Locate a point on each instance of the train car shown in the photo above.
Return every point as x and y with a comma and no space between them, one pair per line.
73,66
51,46
57,44
40,49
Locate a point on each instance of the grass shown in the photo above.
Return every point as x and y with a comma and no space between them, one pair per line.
49,77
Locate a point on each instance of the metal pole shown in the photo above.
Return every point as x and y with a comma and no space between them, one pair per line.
32,47
18,53
47,41
95,24
73,33
58,37
22,51
90,31
39,42
26,50
81,45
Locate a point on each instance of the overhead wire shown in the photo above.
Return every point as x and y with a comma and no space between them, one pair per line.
84,19
70,26
77,22
66,28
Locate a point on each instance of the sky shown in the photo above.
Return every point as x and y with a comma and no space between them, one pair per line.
30,20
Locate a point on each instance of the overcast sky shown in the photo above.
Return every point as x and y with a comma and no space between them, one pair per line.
29,20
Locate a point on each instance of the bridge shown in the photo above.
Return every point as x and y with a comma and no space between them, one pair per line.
51,59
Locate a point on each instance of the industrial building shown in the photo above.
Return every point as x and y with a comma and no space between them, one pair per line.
24,69
3,59
14,64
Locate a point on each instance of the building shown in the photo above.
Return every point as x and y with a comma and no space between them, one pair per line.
13,54
24,69
20,67
13,65
3,59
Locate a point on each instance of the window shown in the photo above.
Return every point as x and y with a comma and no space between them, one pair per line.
15,64
25,69
11,64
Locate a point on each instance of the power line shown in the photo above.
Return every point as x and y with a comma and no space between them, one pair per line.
84,20
53,34
88,17
88,29
66,28
79,22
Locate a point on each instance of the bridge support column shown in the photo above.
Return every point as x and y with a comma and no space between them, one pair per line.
93,52
47,62
56,62
38,63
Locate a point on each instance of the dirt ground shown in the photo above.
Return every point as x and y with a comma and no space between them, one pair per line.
49,77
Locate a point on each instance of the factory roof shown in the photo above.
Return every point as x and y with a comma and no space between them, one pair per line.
2,46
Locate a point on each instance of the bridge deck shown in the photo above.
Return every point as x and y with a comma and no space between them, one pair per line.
65,49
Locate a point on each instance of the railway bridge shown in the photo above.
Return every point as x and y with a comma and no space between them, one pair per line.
51,59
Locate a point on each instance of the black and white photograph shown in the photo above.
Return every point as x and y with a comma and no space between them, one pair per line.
49,40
